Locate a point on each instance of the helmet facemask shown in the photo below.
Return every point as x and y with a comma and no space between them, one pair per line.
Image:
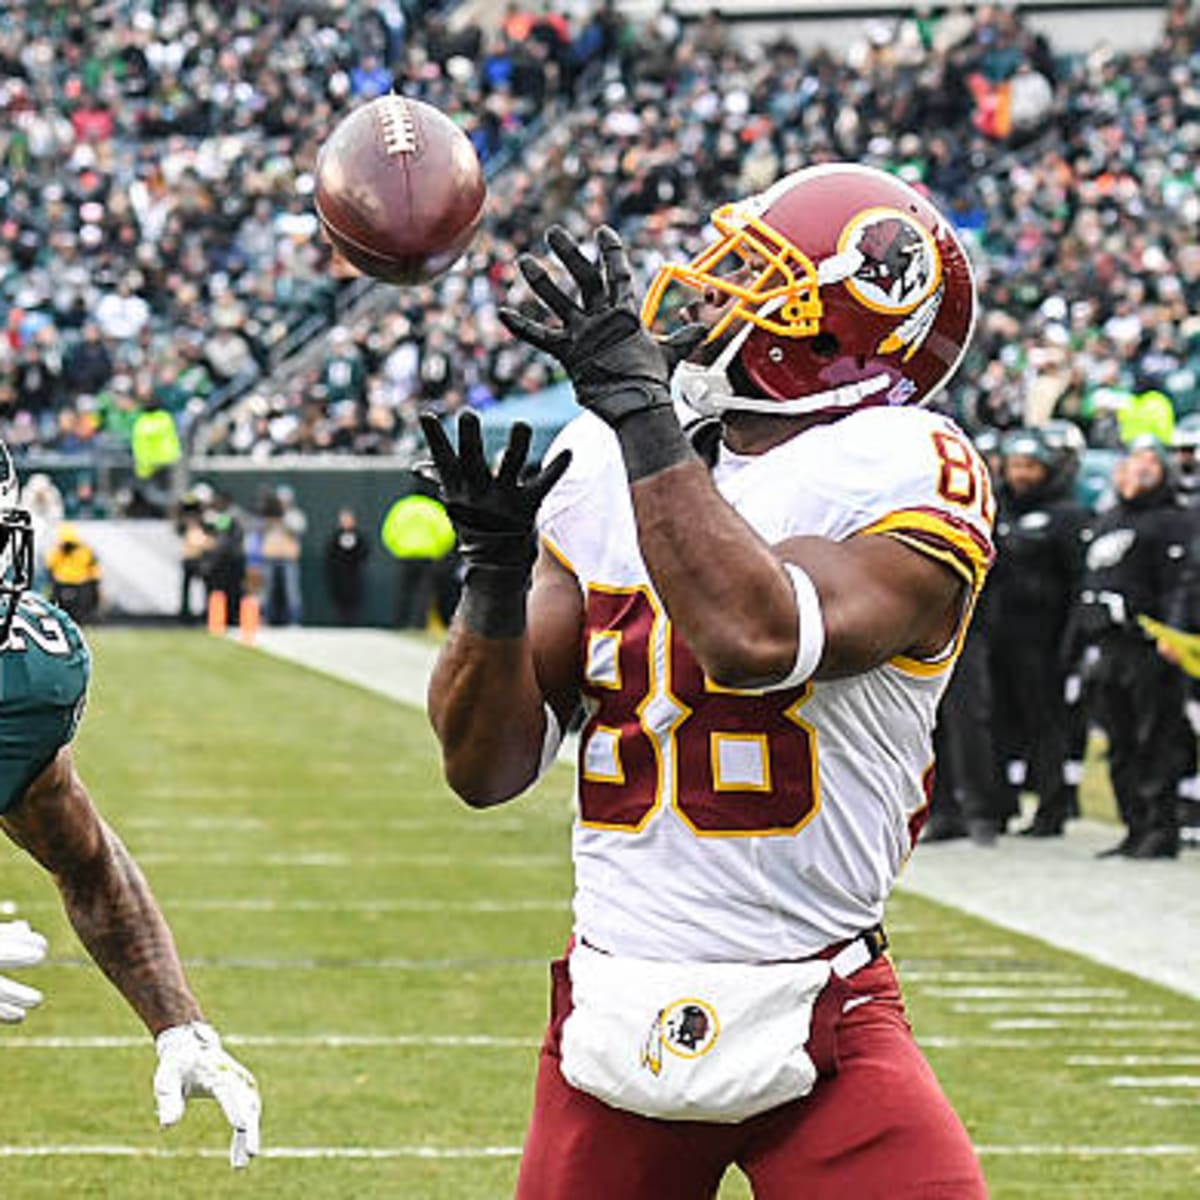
838,288
16,547
16,565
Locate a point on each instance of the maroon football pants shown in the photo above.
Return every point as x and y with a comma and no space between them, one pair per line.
880,1128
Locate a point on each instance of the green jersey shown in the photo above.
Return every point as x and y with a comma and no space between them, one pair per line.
44,671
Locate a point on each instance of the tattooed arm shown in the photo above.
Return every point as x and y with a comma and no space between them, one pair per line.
117,918
104,893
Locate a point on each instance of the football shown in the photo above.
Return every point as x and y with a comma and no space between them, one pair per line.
399,190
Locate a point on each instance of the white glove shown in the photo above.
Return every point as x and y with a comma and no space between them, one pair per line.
20,946
192,1063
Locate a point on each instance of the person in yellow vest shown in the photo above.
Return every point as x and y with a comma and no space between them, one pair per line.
156,452
74,575
418,534
1148,413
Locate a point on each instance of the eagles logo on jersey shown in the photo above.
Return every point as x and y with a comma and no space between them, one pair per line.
16,545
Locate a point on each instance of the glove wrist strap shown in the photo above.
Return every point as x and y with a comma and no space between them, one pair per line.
200,1031
493,600
651,441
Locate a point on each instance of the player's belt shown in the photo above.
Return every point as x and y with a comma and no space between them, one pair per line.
858,952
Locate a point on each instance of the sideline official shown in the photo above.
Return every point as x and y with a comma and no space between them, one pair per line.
1136,565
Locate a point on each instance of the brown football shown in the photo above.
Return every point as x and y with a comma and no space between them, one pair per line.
399,189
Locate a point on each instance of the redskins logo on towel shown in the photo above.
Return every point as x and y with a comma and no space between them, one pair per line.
686,1028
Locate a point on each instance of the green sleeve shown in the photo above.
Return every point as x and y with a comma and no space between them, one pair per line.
44,672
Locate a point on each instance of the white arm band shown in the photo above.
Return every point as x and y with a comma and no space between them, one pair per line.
810,636
550,741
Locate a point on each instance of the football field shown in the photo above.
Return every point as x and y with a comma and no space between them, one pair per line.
377,953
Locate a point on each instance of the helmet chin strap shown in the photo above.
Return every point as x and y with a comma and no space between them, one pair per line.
706,390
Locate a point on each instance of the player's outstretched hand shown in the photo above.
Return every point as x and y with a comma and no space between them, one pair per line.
20,946
616,366
493,514
191,1063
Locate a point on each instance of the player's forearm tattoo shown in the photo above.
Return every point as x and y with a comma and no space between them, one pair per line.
113,911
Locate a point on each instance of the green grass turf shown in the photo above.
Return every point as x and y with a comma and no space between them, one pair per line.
321,881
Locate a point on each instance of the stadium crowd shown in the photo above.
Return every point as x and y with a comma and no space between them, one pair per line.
1073,176
157,238
158,243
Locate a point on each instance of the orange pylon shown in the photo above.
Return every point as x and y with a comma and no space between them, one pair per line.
218,612
248,615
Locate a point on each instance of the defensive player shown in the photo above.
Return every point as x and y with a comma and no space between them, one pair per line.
759,633
45,808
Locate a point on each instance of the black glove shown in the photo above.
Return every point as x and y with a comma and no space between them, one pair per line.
618,369
493,516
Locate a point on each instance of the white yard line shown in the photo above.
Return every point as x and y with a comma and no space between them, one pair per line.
316,1041
1140,917
321,860
1133,1060
108,1150
1189,1082
304,1152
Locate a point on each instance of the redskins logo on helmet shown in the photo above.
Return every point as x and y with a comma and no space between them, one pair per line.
840,287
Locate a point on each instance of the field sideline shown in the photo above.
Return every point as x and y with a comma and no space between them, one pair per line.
376,954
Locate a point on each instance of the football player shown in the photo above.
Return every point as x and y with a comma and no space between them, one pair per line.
45,809
759,630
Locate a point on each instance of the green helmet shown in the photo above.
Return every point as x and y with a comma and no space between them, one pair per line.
1187,433
1067,445
1028,443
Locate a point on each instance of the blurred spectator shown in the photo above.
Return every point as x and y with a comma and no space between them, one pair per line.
283,528
83,503
343,376
226,556
1031,588
1137,564
346,554
418,534
74,575
156,454
1186,454
88,365
1147,413
41,496
196,544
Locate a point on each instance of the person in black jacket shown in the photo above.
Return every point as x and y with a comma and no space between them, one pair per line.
968,799
346,555
1136,565
1039,562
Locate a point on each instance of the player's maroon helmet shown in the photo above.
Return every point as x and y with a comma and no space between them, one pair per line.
845,288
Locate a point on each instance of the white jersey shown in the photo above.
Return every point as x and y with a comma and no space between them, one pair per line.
754,826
